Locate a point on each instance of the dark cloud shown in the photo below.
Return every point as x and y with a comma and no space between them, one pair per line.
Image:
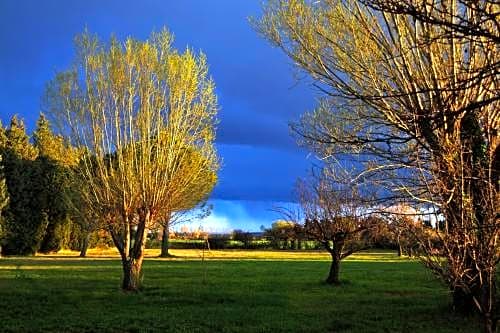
259,173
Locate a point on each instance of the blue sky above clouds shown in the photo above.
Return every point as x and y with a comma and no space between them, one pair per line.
258,93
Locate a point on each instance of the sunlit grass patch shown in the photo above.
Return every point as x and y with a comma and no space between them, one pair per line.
195,254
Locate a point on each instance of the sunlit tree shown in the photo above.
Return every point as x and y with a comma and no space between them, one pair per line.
416,101
196,181
139,108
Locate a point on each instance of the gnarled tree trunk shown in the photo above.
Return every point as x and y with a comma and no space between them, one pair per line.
131,248
333,275
132,273
336,252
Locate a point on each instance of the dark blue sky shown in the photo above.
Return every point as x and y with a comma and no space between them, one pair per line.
258,93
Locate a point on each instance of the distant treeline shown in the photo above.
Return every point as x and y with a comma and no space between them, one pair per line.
282,235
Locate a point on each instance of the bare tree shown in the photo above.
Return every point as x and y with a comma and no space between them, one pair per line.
140,109
416,101
334,215
461,18
403,222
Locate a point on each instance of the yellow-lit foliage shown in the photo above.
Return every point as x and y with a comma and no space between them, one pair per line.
146,115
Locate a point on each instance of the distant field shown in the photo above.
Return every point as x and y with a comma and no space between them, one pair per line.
232,291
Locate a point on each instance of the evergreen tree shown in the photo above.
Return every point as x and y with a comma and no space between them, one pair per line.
24,225
4,200
53,163
17,142
3,137
53,146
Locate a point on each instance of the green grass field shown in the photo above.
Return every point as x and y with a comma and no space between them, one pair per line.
232,291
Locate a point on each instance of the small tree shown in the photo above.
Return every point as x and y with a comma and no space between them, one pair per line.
194,181
282,231
199,212
405,224
334,216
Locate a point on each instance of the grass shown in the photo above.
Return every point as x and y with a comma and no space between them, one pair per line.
233,291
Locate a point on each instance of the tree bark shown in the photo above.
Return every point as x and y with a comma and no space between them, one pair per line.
489,325
488,302
400,248
165,242
85,245
132,274
131,246
463,303
333,276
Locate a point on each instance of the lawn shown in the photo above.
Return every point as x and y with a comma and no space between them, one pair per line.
231,291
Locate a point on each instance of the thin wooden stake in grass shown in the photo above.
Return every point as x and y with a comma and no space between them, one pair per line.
207,245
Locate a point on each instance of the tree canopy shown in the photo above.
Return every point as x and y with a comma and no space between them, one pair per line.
412,98
145,114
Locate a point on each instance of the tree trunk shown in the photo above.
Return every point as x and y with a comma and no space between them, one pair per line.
463,303
488,302
132,274
400,248
132,264
333,276
489,324
85,245
165,242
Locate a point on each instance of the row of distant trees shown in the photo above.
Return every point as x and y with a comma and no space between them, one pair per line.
383,233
